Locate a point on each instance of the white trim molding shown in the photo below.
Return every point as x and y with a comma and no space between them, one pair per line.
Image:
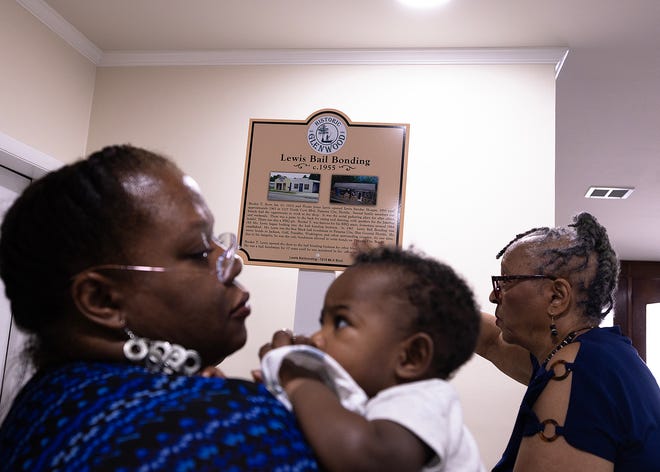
404,56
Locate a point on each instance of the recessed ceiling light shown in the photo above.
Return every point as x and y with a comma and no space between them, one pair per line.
424,3
612,193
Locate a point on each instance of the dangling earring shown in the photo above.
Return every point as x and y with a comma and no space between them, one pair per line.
161,356
135,349
553,327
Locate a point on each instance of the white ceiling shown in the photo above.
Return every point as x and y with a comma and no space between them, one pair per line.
608,92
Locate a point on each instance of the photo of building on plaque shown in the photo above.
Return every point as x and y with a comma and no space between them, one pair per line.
294,187
354,190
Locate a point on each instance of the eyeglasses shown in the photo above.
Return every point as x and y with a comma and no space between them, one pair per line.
498,280
223,265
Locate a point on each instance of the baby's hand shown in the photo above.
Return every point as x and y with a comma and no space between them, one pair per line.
283,337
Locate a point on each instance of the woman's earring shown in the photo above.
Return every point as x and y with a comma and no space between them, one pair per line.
135,349
553,327
161,356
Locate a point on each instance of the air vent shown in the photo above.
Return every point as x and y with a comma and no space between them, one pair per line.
612,193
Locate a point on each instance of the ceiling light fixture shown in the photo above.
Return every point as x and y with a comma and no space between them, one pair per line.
611,193
423,3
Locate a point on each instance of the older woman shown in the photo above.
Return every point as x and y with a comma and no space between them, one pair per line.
591,402
112,267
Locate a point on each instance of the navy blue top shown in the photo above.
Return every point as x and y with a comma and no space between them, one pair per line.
97,416
614,405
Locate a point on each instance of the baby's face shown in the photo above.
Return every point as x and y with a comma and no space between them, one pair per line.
364,321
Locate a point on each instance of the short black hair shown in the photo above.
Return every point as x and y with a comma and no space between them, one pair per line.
445,305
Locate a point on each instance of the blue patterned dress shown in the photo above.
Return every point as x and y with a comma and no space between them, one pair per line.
98,416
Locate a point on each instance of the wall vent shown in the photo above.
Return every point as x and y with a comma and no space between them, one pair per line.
612,193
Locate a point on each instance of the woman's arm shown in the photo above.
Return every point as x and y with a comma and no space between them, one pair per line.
558,456
343,440
511,359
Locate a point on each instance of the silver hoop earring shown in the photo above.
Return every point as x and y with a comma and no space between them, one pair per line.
135,349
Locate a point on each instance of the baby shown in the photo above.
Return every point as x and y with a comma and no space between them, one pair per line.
394,327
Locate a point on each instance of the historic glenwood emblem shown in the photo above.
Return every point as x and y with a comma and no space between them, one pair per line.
326,134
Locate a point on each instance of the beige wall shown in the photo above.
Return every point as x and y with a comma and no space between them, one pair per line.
46,87
481,169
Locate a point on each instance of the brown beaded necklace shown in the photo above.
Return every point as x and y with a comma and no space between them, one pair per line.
565,342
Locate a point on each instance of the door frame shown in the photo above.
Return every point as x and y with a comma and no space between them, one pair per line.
24,159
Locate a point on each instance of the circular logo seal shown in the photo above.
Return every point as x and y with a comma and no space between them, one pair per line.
326,134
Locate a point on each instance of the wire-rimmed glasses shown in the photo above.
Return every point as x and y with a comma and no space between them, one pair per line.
498,280
224,264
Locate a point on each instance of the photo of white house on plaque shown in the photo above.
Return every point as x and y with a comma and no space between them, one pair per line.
288,187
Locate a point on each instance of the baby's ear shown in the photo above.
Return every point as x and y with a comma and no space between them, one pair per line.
97,298
415,357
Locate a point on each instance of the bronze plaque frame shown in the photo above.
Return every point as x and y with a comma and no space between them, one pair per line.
315,189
